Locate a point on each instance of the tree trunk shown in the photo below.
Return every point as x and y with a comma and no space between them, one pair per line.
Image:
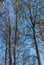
36,46
15,41
6,54
10,59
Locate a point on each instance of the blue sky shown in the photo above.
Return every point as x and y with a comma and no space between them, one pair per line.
12,18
